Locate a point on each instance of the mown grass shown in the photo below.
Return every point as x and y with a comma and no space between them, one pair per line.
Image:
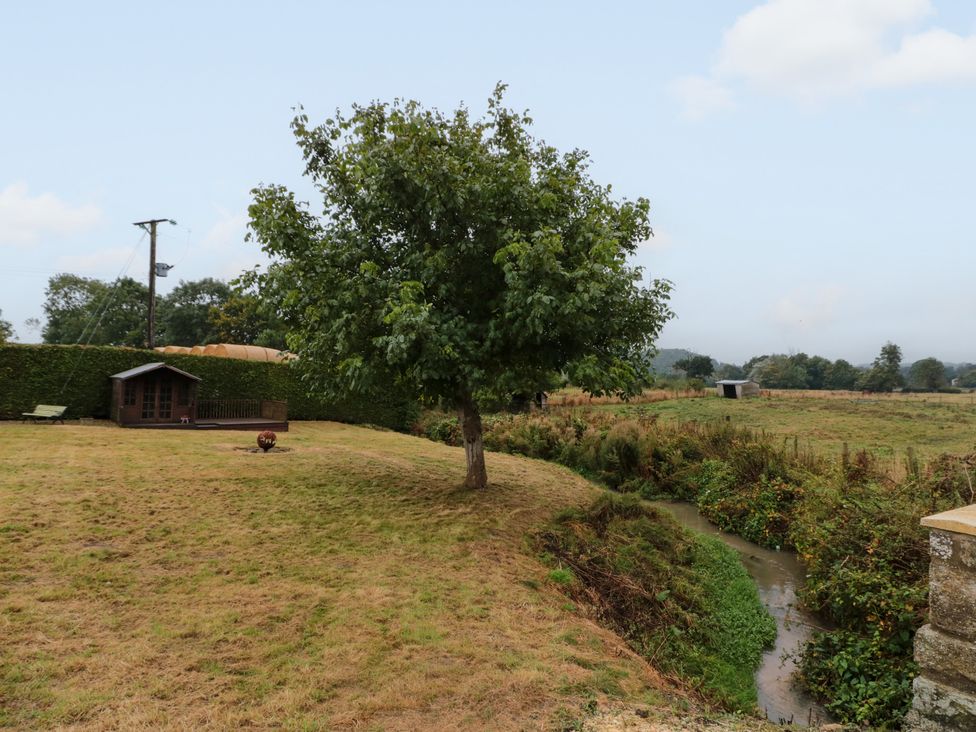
886,426
166,580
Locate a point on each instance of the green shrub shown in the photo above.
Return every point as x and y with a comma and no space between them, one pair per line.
78,377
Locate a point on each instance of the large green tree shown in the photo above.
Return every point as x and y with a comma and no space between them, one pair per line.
245,318
885,372
841,374
183,316
86,310
928,373
456,256
696,367
779,372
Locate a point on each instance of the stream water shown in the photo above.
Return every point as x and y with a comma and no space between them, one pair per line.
778,575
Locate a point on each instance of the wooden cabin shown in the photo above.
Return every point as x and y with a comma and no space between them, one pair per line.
154,394
165,397
736,388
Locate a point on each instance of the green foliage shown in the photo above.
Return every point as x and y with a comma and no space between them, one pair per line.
885,373
863,680
968,379
195,313
841,375
183,316
779,372
856,530
78,376
696,367
683,601
457,256
245,318
85,310
928,373
6,330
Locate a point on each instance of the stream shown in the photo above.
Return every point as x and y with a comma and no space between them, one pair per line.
777,575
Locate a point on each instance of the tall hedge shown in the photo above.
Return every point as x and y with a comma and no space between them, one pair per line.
78,377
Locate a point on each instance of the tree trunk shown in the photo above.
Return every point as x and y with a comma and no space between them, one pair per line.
474,448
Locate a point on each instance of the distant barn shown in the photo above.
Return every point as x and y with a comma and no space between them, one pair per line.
736,389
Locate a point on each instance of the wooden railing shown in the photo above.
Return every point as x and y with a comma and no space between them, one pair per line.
269,409
228,408
275,411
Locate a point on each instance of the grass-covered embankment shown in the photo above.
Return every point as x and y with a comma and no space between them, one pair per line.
167,580
682,601
856,529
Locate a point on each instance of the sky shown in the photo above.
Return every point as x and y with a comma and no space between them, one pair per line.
810,163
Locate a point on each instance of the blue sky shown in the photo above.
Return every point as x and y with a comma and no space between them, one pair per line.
810,163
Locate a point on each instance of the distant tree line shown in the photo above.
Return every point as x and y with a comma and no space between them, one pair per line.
801,371
86,310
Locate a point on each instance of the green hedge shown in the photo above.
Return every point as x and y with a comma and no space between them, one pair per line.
78,377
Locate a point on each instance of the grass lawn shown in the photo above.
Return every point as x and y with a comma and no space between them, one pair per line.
165,579
884,425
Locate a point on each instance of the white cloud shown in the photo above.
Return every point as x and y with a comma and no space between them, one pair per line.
25,219
700,96
227,233
807,309
815,49
105,263
659,242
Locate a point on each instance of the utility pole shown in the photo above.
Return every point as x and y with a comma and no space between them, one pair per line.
151,224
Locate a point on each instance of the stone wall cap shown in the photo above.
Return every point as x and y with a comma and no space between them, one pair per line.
960,520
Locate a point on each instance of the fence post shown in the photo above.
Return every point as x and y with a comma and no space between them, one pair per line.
945,649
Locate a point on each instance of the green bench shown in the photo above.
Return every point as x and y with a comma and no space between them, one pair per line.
45,412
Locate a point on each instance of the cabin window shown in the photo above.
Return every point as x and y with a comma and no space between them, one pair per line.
165,400
129,394
148,400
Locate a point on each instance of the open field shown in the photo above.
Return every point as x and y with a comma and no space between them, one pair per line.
885,425
156,579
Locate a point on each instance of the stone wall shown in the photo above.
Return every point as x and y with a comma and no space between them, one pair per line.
945,649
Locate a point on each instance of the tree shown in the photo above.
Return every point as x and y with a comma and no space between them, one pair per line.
456,257
696,367
968,379
841,375
729,371
816,368
6,330
81,309
244,318
183,317
779,372
928,373
884,374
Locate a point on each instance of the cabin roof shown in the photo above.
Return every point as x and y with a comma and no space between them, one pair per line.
149,367
735,382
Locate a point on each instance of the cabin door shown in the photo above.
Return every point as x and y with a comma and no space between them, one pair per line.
157,400
728,391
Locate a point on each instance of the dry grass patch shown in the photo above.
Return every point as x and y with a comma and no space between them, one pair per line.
157,579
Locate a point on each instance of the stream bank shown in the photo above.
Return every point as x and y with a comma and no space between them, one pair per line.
778,575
